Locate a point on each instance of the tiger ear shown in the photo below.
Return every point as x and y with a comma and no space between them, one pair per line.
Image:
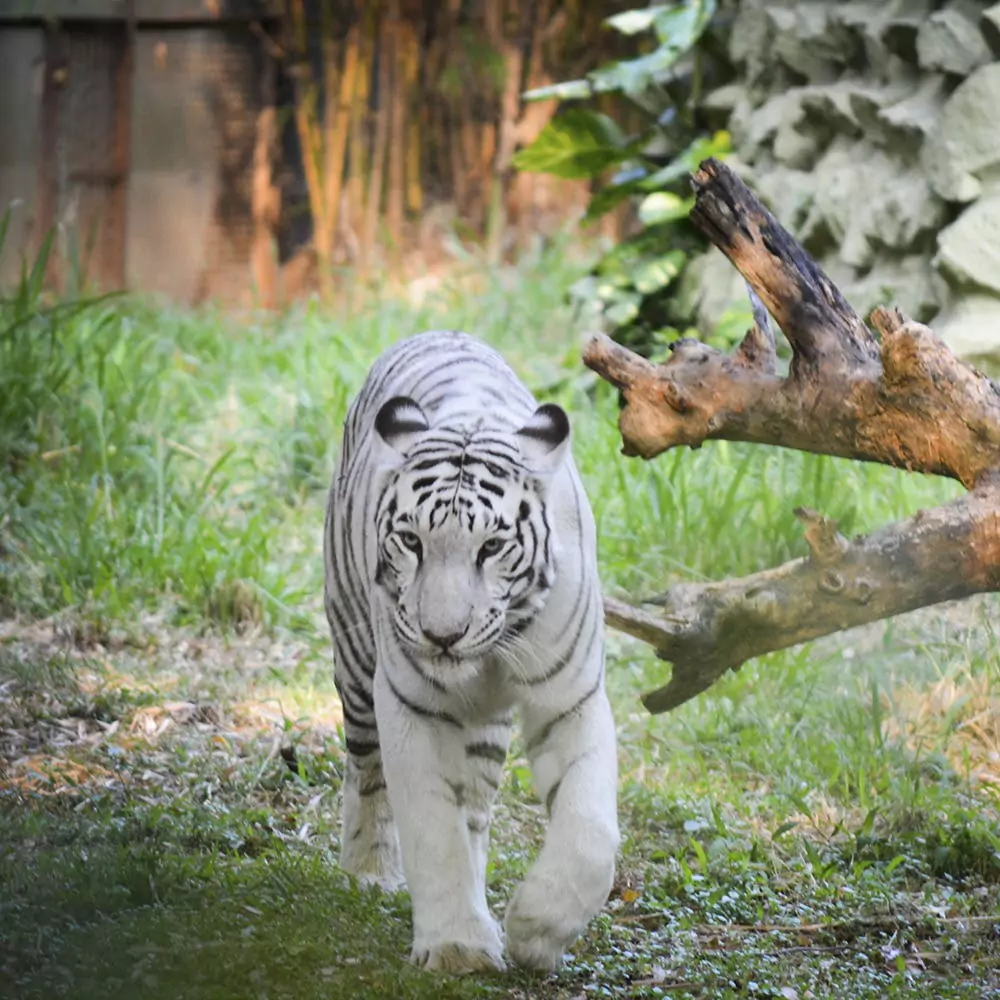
399,422
544,439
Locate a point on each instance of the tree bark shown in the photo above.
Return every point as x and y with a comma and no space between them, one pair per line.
901,399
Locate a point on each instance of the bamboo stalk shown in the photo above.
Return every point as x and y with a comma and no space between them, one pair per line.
322,228
374,201
414,192
510,106
305,114
357,152
265,205
469,150
337,123
396,189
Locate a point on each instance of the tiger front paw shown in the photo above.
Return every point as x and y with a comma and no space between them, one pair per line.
459,958
533,938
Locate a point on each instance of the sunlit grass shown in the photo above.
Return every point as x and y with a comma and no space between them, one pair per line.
171,754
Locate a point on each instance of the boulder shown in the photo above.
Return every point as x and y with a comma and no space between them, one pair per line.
798,123
989,25
900,37
971,324
799,149
750,41
964,143
951,42
867,200
839,188
869,99
708,289
907,123
909,283
903,210
788,194
969,249
811,42
753,130
718,106
869,20
833,105
724,99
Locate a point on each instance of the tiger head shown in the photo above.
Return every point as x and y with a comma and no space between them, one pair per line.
466,548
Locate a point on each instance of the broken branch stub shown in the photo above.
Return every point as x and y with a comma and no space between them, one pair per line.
901,400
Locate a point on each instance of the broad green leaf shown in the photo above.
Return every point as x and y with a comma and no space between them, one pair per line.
623,308
609,286
575,144
680,27
612,195
673,171
718,145
633,76
662,206
584,290
570,90
628,174
659,272
631,22
626,257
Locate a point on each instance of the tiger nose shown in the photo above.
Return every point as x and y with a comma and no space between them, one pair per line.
445,641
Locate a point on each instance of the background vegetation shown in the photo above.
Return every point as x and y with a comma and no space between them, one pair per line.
822,823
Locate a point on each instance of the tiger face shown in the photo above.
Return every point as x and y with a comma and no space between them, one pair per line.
466,550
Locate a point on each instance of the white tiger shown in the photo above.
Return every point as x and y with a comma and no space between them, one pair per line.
461,584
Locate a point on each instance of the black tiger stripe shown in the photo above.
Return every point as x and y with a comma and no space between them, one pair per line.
353,701
527,574
589,622
488,751
358,722
542,737
421,673
550,799
350,586
346,636
422,710
360,748
447,366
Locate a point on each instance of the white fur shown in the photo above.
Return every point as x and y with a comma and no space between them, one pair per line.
431,822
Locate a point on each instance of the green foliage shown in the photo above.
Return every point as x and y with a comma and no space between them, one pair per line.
630,290
576,144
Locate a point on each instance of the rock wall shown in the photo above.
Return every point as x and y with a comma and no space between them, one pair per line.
872,130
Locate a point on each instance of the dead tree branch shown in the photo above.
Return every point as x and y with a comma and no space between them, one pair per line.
901,399
938,555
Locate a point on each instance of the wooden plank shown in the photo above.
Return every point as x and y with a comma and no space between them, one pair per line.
116,266
56,60
146,11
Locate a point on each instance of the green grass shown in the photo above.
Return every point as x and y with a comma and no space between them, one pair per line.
825,820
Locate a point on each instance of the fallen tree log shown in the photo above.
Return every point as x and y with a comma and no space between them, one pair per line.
901,399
